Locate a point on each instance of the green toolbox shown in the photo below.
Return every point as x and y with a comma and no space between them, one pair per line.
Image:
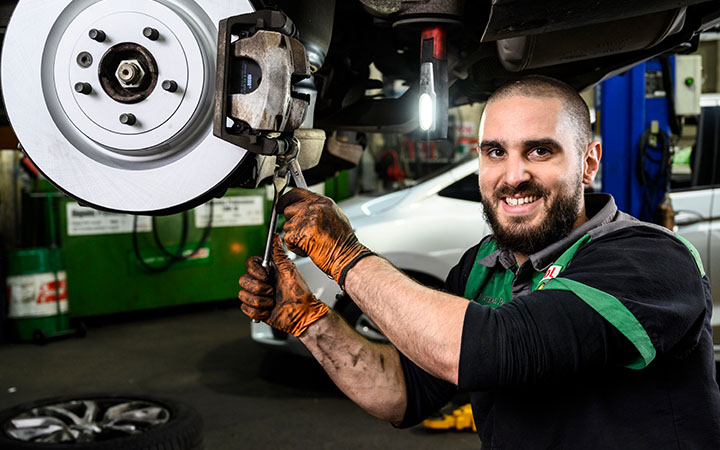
118,263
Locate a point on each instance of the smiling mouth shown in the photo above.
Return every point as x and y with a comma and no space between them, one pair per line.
521,201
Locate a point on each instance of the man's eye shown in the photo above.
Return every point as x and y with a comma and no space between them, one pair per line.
495,152
541,151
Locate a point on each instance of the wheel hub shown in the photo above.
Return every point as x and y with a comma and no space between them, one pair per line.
128,73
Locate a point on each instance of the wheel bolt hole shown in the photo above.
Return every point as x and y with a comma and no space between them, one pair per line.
84,59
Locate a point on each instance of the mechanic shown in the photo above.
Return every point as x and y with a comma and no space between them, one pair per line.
572,326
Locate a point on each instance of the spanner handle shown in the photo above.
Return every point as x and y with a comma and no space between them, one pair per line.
297,174
271,231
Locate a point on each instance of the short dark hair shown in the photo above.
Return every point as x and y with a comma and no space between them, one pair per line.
545,87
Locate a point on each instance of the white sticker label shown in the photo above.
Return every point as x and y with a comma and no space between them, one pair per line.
231,212
84,221
552,272
36,295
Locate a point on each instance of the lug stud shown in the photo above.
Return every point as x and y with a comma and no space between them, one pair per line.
169,85
151,33
128,119
97,35
83,88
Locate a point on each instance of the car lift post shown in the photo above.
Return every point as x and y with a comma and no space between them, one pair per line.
626,106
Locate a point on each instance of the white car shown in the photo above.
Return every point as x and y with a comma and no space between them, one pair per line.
696,201
424,230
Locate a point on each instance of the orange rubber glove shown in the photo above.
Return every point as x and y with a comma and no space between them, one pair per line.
281,298
316,227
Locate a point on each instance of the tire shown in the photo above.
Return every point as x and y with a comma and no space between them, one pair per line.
177,426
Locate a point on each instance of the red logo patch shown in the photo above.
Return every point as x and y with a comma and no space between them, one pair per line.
552,272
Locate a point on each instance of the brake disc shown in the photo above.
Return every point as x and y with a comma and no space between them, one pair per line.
112,100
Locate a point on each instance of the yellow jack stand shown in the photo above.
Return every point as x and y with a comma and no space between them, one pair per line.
461,419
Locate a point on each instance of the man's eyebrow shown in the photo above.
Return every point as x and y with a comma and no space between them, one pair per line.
545,142
492,144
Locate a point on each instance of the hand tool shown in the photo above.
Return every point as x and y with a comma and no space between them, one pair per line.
264,115
286,164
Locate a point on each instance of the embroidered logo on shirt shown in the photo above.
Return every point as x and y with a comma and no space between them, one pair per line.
493,302
552,272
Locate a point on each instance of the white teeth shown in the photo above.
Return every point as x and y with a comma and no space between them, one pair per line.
520,201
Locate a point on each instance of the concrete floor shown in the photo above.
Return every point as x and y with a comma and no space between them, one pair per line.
249,397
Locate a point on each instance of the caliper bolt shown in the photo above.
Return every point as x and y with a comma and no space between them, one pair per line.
83,88
97,35
169,85
127,119
151,33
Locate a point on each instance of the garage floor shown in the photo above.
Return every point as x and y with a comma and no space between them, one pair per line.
249,397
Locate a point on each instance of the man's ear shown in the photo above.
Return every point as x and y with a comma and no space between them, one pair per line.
591,162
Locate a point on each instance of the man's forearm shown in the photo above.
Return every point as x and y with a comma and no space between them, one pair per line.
424,324
369,373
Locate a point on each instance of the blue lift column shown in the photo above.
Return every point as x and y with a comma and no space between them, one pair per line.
628,106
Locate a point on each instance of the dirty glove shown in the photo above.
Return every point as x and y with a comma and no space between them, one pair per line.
318,228
280,297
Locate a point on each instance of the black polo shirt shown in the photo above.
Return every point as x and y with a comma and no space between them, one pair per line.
600,341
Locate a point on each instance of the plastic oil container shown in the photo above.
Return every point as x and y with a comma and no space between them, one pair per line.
37,294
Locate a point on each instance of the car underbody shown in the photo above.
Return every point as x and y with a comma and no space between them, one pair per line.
110,165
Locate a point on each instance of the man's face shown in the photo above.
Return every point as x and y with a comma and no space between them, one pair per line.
531,172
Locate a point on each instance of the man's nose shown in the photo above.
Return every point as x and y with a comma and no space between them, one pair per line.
516,170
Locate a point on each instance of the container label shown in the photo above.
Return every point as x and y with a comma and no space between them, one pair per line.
231,212
36,295
84,221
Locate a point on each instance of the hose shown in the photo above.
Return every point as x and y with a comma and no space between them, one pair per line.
170,257
656,183
653,182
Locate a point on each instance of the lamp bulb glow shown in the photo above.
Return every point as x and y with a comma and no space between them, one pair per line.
427,111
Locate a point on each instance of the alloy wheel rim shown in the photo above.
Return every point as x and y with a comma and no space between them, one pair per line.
80,421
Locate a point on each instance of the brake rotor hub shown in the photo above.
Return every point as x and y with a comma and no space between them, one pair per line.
128,73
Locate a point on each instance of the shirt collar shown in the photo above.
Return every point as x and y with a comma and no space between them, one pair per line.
499,256
600,208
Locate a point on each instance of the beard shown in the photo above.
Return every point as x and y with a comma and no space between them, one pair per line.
559,221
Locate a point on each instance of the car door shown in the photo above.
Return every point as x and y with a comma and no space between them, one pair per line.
696,199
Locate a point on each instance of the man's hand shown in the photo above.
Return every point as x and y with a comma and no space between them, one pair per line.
316,227
282,299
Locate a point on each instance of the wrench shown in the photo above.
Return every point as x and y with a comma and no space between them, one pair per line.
285,164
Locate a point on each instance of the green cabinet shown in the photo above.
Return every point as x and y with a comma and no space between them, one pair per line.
105,276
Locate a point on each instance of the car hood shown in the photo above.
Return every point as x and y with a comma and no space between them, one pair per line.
365,205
